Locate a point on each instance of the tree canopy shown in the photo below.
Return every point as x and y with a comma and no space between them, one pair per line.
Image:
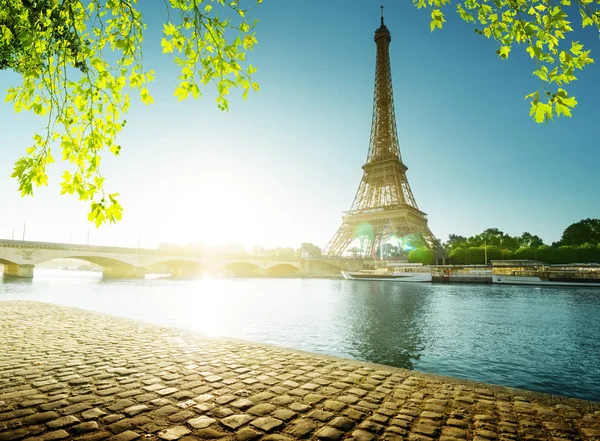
580,242
80,60
582,232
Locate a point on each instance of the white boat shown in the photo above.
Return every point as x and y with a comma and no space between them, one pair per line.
531,272
415,272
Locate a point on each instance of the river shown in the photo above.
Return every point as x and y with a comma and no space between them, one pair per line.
545,339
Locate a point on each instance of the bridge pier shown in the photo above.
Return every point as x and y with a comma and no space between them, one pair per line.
123,272
21,271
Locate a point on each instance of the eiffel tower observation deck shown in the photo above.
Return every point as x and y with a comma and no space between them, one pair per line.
384,206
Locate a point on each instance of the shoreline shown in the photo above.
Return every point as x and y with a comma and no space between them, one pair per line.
70,372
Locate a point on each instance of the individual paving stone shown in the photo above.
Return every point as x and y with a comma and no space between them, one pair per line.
109,391
247,434
222,412
121,404
236,421
242,404
167,391
128,435
488,434
142,398
380,418
61,422
96,436
181,416
112,418
86,427
348,399
321,415
262,396
12,435
32,403
284,414
135,410
342,423
40,418
261,409
209,433
75,408
312,398
15,414
371,426
357,391
165,411
201,422
54,405
334,405
431,415
435,408
329,434
424,429
362,435
173,433
457,423
454,432
267,423
224,399
300,407
202,398
301,428
354,414
50,436
282,400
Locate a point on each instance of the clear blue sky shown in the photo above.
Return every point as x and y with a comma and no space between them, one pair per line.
280,168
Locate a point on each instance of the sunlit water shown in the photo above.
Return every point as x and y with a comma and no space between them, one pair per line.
545,339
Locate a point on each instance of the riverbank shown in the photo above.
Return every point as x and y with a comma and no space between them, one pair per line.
68,373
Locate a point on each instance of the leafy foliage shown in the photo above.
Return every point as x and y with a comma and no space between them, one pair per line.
543,27
580,243
582,232
80,60
313,251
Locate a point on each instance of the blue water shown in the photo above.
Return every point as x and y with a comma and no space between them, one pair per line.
539,338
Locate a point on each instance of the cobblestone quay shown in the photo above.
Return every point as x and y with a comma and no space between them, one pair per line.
71,374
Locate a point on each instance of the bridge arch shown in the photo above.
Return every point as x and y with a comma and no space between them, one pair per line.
104,262
282,269
242,269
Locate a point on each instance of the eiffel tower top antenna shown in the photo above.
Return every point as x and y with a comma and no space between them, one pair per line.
381,15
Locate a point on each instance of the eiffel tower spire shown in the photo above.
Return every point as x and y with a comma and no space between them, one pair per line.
384,205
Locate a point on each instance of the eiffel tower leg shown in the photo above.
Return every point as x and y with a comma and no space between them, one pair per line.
340,241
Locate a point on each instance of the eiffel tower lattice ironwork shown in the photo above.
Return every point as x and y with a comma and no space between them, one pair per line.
384,205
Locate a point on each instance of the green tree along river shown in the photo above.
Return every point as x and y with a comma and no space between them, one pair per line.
544,339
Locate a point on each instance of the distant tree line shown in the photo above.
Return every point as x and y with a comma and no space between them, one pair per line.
579,243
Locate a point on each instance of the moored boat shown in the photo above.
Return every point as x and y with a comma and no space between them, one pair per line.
400,273
531,272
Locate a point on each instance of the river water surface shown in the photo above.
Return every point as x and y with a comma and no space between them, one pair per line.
544,339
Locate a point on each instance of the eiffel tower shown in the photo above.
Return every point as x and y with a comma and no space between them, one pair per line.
384,205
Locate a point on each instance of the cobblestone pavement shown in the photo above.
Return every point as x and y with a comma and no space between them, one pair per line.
72,374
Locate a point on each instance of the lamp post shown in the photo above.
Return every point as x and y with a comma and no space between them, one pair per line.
485,252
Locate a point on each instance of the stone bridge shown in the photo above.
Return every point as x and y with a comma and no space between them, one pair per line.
20,258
